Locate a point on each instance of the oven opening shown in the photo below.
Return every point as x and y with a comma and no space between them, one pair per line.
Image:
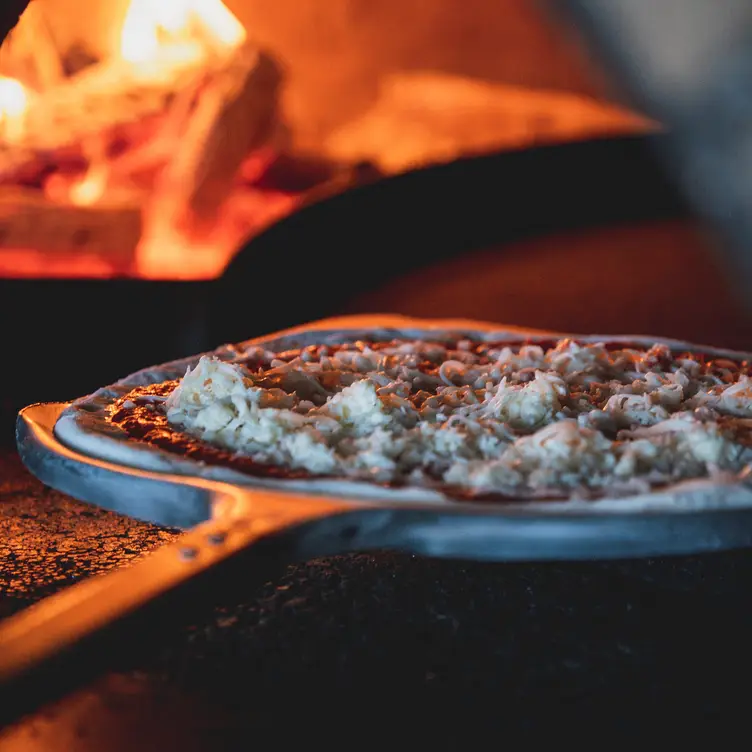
156,138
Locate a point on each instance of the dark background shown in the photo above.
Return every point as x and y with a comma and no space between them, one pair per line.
9,13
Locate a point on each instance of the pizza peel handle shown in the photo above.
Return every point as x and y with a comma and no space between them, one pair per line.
71,637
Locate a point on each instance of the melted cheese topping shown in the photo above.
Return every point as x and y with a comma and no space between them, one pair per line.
573,419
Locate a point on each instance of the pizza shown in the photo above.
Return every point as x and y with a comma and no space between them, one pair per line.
399,409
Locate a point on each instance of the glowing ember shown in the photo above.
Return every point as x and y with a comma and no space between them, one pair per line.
89,191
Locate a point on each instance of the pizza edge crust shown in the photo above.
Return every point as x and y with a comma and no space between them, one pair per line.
82,426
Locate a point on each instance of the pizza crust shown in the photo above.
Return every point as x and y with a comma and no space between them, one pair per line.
83,426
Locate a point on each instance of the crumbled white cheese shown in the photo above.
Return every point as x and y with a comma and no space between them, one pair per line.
307,451
569,358
562,454
210,381
636,457
736,399
628,409
706,444
218,402
526,406
523,420
357,408
496,475
567,450
528,356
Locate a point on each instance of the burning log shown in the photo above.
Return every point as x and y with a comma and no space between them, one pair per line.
28,221
235,115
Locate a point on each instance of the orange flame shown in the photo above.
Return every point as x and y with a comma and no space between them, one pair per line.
149,24
13,98
149,28
92,188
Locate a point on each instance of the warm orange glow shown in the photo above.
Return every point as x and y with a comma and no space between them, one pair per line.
92,187
26,263
167,253
150,24
170,52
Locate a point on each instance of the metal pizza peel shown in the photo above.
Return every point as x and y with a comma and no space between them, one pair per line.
234,530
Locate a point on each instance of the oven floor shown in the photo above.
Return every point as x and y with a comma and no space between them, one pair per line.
388,640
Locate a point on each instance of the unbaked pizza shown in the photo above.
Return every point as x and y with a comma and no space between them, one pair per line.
429,410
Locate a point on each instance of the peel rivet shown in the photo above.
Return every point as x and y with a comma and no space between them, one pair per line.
216,539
